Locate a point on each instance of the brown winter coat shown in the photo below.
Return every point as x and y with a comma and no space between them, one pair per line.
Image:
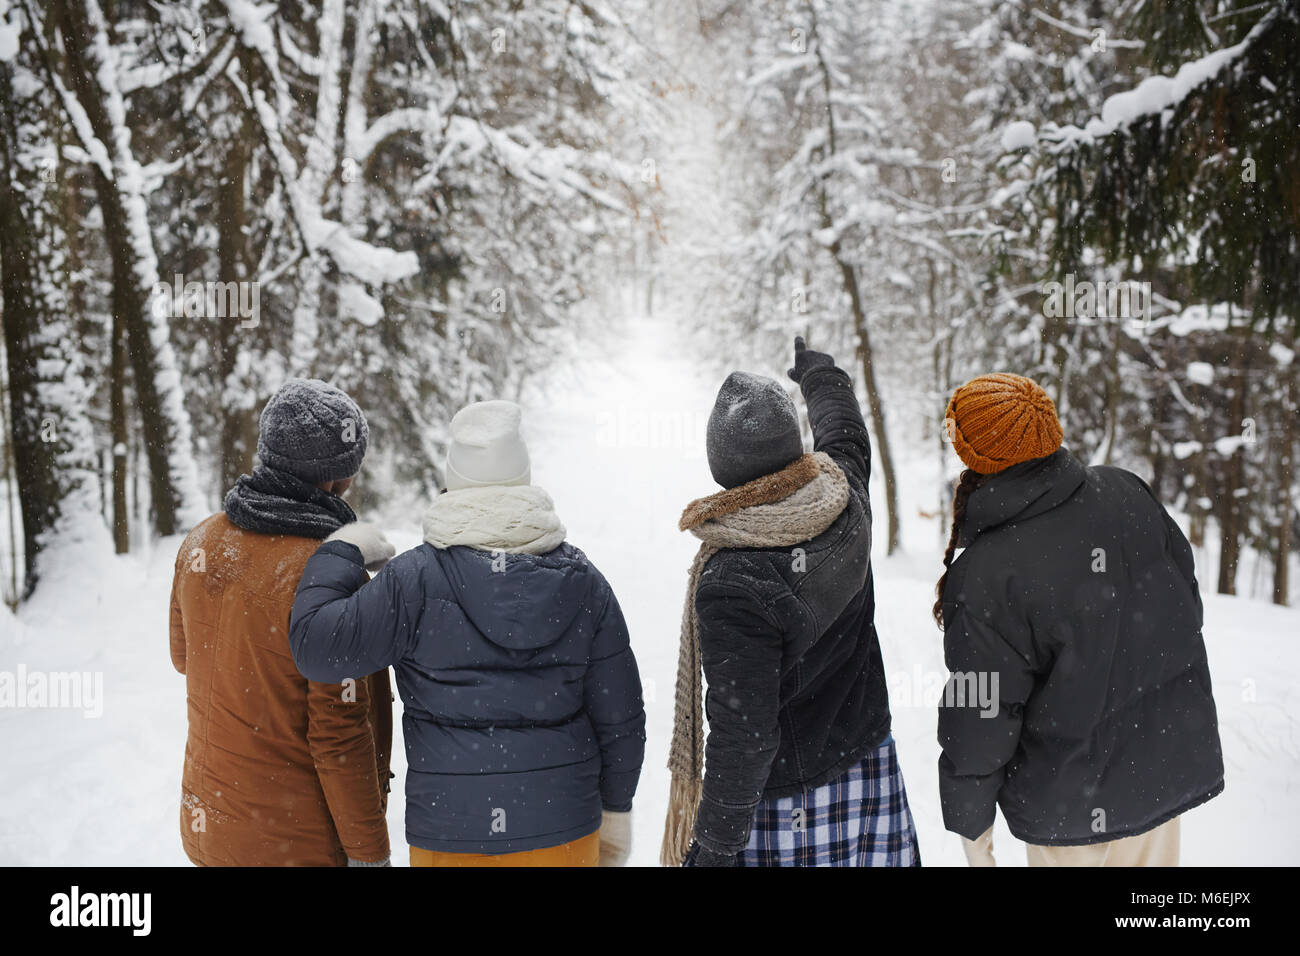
279,770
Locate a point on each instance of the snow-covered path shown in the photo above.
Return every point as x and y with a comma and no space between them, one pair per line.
621,449
618,440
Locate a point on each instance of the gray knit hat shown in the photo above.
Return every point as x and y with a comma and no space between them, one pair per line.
312,430
753,430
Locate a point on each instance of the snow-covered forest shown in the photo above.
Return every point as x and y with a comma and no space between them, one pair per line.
598,209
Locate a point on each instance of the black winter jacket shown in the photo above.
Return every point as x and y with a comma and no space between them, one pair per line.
796,689
1078,591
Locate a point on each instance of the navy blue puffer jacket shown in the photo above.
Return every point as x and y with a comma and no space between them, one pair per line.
522,703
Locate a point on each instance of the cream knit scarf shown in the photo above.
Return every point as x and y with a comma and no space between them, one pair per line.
778,510
514,519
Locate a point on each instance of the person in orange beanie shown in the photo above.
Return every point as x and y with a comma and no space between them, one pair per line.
1079,699
1000,420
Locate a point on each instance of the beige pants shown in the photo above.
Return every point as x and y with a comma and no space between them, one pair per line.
1158,847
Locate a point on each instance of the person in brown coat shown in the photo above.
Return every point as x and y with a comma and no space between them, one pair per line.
279,770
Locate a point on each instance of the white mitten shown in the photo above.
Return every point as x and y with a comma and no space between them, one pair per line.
376,550
615,838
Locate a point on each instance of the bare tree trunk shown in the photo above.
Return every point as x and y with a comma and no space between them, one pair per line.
939,372
866,359
20,260
849,279
1054,352
1159,460
1234,474
1230,528
1112,398
1200,488
238,422
118,428
10,469
165,423
49,431
1286,484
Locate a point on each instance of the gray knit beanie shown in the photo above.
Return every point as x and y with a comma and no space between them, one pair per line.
753,430
312,430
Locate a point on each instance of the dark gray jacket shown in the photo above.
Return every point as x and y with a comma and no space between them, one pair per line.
1078,591
796,688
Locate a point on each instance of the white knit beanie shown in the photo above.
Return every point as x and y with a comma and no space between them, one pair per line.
486,447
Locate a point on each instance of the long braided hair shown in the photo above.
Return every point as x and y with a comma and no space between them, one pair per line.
969,481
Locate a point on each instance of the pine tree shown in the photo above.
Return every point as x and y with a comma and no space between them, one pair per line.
1193,175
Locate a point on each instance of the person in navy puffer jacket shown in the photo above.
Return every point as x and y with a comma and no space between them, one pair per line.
523,720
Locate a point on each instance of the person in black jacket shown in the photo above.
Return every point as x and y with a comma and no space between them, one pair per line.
1080,696
799,767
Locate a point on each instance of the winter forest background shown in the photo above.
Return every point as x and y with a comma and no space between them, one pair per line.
575,202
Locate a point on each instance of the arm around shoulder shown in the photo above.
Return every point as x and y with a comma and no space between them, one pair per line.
344,624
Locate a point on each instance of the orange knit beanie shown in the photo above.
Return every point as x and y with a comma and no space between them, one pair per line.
999,420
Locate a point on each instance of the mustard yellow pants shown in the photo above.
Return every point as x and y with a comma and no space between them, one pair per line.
581,852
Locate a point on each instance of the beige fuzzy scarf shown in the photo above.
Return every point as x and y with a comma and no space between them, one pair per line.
514,519
778,510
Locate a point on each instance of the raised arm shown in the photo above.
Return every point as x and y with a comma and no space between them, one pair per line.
833,412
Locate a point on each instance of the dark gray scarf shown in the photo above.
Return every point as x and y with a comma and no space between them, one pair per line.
270,501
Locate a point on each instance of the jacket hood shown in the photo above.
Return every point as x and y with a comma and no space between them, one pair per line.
1022,491
520,601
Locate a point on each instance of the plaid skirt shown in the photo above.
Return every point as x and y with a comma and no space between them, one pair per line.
859,819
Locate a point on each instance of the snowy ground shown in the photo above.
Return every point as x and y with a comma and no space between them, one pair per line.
619,443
